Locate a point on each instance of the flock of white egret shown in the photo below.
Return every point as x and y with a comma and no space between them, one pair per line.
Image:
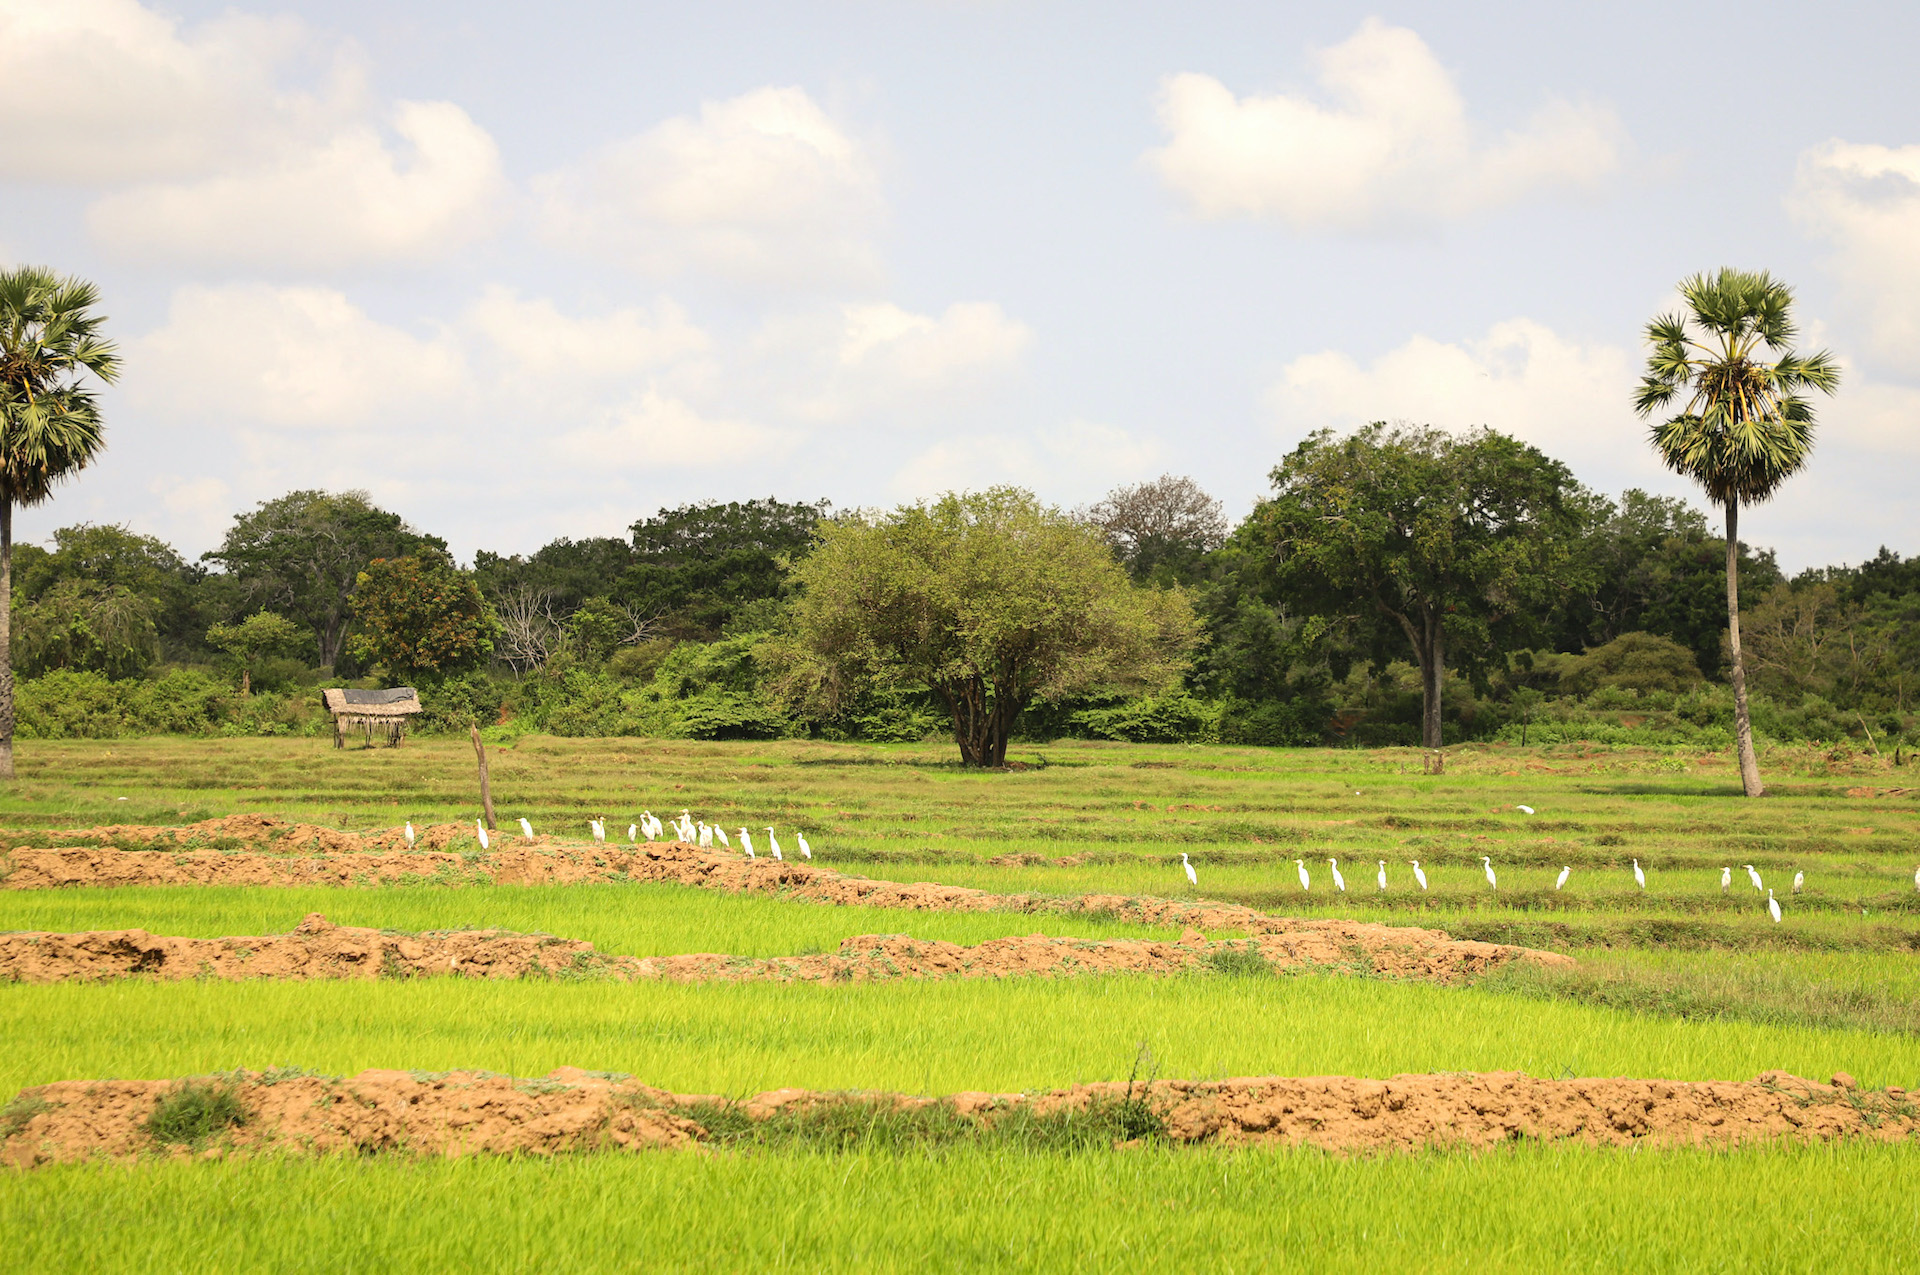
686,828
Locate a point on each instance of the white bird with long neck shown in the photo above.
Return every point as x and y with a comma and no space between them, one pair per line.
1639,877
1305,882
1418,875
1192,878
806,851
1339,882
1773,906
746,843
720,835
1799,881
1916,880
706,836
481,828
1525,810
1382,878
1565,872
599,829
1753,875
1487,863
409,834
633,832
527,829
1726,879
773,843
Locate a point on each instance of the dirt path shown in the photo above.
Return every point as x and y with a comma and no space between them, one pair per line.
464,1113
317,949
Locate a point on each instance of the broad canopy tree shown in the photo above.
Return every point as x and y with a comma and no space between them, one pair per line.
420,615
1745,425
991,600
1447,547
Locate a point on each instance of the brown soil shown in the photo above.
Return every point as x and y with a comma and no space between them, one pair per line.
320,950
465,1113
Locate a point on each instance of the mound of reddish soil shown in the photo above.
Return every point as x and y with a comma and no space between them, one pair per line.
464,1113
319,950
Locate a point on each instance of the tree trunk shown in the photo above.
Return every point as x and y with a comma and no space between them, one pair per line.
6,637
246,681
1433,671
486,791
980,727
1742,724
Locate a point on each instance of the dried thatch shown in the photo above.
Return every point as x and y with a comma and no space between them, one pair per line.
370,711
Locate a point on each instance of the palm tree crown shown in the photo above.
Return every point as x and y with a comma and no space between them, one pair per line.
1745,428
49,341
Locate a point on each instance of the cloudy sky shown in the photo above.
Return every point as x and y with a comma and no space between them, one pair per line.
531,271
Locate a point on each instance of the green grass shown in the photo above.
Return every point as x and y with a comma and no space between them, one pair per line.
644,919
1845,1207
933,1038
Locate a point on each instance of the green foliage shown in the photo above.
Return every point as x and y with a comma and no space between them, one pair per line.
79,626
81,705
1239,960
195,1112
697,565
259,635
1633,661
1174,718
1293,723
101,557
420,616
991,600
51,348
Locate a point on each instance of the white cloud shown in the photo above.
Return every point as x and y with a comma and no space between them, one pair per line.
199,507
289,356
1394,147
1571,400
538,342
870,358
348,198
652,431
1865,200
1079,460
762,187
107,90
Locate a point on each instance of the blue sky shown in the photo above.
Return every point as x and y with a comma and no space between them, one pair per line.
527,273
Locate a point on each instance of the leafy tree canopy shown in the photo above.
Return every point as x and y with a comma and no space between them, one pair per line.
1161,530
419,615
261,634
992,600
697,565
86,627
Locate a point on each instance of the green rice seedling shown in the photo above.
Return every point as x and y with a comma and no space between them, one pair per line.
1239,960
195,1112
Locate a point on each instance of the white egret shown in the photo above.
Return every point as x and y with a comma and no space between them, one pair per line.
746,843
720,835
1418,875
1799,881
1753,875
526,828
1525,810
1382,878
599,829
481,828
409,834
806,851
1773,906
1639,877
1561,880
1191,878
1916,878
1487,863
1339,882
1726,879
774,843
633,832
706,837
1305,884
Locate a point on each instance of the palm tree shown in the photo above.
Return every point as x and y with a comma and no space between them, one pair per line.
1744,428
49,421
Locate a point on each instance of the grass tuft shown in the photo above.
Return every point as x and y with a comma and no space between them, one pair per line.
1244,960
193,1113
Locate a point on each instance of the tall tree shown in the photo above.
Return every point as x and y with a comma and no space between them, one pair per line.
1161,530
989,599
699,567
51,348
421,616
301,555
1744,427
1458,544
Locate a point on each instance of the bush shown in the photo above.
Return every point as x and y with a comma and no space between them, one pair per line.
1633,662
1177,718
193,1113
1294,723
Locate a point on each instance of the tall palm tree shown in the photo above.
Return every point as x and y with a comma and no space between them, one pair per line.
1744,427
50,343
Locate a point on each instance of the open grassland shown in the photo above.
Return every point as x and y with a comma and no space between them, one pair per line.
1842,1207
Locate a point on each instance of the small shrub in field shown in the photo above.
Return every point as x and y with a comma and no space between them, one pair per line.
1243,961
195,1112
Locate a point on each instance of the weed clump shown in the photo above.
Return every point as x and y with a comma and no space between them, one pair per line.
1244,960
193,1113
24,1107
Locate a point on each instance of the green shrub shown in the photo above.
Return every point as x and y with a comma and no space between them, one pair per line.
194,1112
1633,661
1243,960
1177,718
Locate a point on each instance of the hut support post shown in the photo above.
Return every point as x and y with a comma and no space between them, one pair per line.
486,792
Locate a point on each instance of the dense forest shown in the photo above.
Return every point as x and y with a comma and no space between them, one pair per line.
670,631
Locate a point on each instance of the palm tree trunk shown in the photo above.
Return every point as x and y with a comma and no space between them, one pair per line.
1742,723
6,637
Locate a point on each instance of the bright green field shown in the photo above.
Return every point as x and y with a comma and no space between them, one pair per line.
1677,981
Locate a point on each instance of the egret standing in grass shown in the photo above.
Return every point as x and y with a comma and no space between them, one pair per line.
1382,878
806,851
746,843
1306,884
633,832
1753,875
1773,906
1339,882
1916,880
1565,872
481,828
1418,875
1799,881
409,834
1192,878
1639,877
1726,879
774,845
720,835
1492,880
526,828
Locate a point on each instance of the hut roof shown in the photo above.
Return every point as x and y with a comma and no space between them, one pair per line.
401,701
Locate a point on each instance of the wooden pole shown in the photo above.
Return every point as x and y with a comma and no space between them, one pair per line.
486,793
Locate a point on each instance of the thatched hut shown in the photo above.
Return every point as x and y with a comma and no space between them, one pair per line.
370,711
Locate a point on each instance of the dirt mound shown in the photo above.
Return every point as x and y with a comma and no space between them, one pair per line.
466,1113
317,949
263,833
